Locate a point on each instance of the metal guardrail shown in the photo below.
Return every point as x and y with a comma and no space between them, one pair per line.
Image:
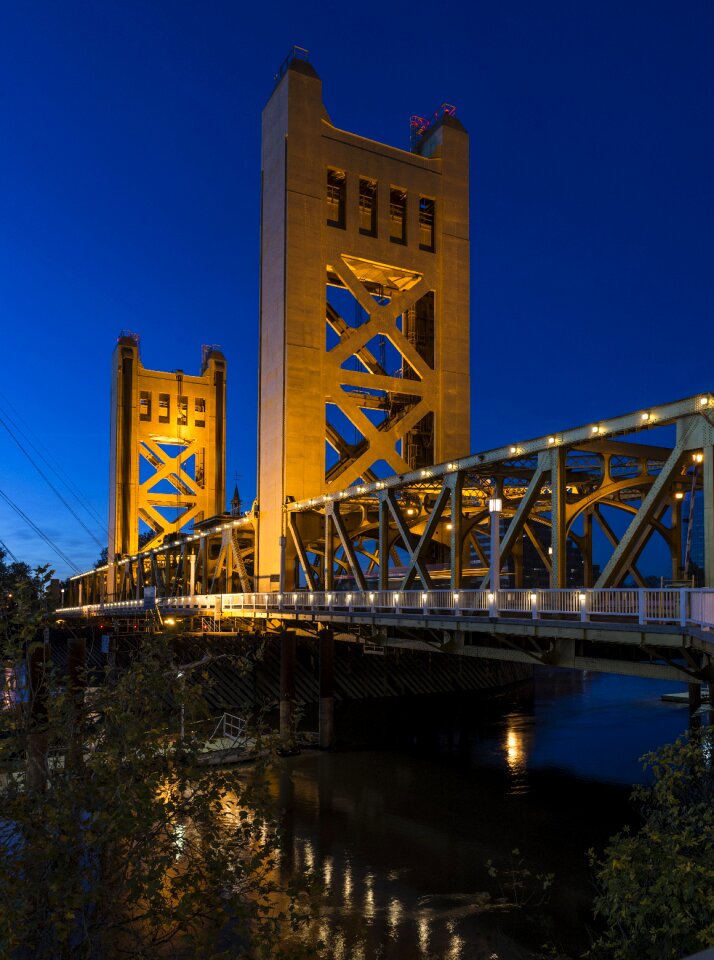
230,728
682,607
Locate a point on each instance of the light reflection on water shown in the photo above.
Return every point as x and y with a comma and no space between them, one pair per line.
399,833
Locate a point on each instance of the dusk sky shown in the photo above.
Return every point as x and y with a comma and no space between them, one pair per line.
130,189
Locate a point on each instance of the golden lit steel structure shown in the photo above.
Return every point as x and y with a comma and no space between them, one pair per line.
467,522
435,527
167,451
364,314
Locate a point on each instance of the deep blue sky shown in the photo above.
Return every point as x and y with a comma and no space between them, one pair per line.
129,198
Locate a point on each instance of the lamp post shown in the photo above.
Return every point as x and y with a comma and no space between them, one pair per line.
495,506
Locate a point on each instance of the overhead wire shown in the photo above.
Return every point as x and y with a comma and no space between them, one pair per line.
49,483
60,553
81,499
8,551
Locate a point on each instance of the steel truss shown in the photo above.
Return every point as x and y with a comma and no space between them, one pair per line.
218,559
434,526
445,524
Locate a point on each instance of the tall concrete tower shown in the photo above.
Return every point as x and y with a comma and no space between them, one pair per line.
364,316
167,449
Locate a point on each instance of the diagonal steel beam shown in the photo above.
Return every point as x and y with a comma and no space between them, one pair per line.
631,539
612,537
408,540
347,546
425,539
310,574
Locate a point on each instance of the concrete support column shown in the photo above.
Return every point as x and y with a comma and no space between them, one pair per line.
695,695
327,688
287,685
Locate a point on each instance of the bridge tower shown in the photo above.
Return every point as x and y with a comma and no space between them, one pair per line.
364,313
167,449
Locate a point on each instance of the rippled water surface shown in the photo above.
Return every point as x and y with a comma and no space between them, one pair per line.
398,823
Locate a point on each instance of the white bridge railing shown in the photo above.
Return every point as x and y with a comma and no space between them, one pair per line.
672,606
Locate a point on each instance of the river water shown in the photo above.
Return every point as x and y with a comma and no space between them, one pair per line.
399,822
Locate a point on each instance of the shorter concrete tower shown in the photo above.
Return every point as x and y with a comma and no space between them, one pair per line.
167,466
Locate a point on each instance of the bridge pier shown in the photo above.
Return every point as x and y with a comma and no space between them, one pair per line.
695,695
327,689
287,686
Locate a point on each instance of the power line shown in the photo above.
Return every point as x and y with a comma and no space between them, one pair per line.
81,499
52,487
39,532
8,551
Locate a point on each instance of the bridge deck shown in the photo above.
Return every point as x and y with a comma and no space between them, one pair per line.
657,633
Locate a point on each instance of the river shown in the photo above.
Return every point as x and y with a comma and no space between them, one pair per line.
399,822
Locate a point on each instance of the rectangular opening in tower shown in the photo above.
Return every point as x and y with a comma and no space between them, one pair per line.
368,207
426,224
397,215
336,188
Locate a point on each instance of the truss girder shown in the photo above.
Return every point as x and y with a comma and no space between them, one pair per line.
392,531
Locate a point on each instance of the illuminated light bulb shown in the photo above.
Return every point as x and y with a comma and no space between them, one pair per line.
581,597
697,457
514,449
595,430
456,598
679,495
644,416
703,401
371,598
424,597
491,597
410,512
349,598
534,597
551,439
449,526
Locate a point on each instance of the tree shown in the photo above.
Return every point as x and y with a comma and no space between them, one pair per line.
126,845
656,887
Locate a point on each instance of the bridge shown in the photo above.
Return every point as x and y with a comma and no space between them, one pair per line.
374,523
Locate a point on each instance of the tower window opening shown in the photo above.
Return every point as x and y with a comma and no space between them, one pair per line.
164,407
426,223
182,416
199,407
336,184
368,206
397,215
145,405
